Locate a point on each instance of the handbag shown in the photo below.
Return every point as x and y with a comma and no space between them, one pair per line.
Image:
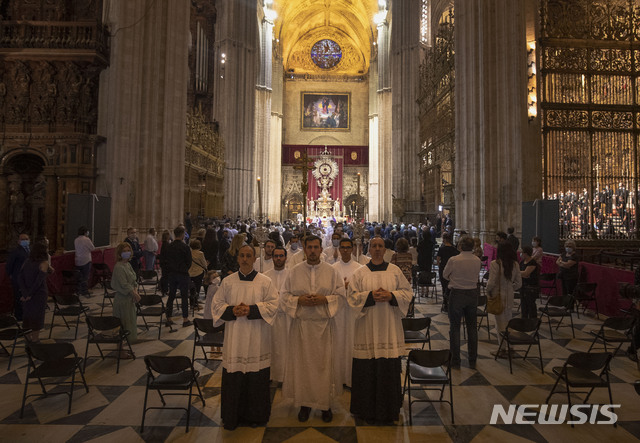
494,300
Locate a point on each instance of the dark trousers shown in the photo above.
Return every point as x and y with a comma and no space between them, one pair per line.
463,302
181,282
528,295
17,304
85,270
196,284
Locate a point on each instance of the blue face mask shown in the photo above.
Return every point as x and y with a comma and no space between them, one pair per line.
24,243
335,243
569,250
294,246
126,255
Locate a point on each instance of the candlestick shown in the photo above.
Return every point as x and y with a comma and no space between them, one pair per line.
259,199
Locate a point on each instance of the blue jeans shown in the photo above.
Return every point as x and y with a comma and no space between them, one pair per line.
149,260
181,282
463,302
85,270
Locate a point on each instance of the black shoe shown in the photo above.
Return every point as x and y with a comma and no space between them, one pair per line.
633,356
472,364
303,415
187,323
327,416
168,323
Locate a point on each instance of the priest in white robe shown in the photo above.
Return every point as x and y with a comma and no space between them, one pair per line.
282,322
381,295
310,297
346,316
264,263
247,302
333,251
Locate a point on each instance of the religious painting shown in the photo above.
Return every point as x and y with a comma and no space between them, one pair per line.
326,112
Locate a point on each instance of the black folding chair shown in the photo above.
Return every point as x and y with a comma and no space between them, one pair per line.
206,335
482,314
427,280
416,331
521,332
614,330
106,331
10,331
583,370
70,280
152,306
429,368
558,306
67,305
109,293
548,285
148,280
170,373
58,360
584,294
101,273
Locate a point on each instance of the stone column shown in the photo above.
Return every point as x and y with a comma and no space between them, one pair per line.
491,116
385,153
234,100
4,210
405,73
143,107
52,207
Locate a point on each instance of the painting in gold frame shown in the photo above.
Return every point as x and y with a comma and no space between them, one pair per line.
329,111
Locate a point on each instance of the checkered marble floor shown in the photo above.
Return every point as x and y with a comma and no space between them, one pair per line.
112,409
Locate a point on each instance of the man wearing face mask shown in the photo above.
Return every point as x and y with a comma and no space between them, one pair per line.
333,251
294,251
132,239
83,246
15,261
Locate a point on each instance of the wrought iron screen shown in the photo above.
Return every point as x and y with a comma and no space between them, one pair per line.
590,53
437,117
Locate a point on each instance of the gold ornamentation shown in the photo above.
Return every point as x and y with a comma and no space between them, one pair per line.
354,155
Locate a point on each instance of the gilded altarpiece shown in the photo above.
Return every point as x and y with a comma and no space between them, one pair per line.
589,56
51,56
437,121
204,168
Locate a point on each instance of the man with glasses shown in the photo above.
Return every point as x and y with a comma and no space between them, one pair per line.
346,317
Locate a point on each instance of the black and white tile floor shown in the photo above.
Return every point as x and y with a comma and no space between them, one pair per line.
112,409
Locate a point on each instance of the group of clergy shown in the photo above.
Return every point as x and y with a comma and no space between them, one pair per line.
314,327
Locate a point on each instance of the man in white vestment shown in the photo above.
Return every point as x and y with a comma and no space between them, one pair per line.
282,322
381,294
247,302
333,251
346,316
295,254
310,296
266,261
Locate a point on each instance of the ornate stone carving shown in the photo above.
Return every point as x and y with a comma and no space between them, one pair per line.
299,60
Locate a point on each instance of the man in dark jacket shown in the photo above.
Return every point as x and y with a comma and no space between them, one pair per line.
178,262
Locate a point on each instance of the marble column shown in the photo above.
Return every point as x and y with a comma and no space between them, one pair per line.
494,168
234,100
404,60
143,104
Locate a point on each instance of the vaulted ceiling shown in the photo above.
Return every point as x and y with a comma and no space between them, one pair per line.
302,23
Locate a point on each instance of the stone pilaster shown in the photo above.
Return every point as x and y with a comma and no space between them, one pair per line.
143,114
404,69
385,153
234,100
491,115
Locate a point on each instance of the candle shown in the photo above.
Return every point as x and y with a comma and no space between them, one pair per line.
259,199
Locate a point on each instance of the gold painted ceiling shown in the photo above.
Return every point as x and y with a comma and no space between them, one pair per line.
302,23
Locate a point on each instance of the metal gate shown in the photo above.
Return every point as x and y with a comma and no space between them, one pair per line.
589,57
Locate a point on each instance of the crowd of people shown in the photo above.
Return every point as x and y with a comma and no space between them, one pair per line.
313,307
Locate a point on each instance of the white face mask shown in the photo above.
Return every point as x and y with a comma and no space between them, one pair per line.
294,246
335,243
534,244
569,250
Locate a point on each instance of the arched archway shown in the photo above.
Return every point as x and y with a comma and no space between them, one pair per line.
25,196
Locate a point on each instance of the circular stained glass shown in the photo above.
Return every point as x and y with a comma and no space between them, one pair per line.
326,54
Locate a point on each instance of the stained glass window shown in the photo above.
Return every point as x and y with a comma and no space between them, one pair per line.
326,54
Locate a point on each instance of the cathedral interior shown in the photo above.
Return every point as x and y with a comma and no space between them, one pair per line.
378,110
